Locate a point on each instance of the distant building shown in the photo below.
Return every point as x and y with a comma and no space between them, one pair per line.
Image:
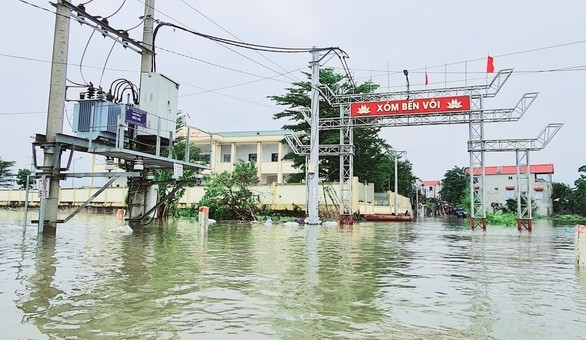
263,147
431,189
501,185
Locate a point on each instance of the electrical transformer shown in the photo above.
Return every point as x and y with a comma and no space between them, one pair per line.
158,97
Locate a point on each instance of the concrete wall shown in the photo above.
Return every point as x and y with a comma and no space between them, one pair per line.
275,196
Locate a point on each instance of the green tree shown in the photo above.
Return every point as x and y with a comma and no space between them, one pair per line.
21,178
562,197
372,155
579,197
228,194
5,174
454,186
166,175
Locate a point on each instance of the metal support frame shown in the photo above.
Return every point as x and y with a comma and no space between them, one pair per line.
88,201
102,27
166,198
521,147
524,210
477,173
475,118
346,171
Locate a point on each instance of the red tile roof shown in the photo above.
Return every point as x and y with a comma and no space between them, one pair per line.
430,183
538,169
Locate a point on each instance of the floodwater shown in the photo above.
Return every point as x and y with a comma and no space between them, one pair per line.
431,279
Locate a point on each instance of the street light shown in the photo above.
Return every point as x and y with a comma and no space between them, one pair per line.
397,154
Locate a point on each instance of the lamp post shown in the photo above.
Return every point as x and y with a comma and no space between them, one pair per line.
397,154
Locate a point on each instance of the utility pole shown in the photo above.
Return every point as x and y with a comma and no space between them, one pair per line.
313,166
52,154
143,191
146,61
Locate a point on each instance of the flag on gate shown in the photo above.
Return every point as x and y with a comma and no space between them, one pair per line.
489,64
426,77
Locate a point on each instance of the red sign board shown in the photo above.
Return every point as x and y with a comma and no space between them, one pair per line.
410,106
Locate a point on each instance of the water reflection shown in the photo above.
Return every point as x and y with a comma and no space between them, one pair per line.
430,279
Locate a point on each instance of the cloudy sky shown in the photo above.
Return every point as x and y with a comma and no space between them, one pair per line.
226,89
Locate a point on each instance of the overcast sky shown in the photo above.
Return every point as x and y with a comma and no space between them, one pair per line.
226,89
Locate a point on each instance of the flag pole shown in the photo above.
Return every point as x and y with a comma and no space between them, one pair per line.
465,72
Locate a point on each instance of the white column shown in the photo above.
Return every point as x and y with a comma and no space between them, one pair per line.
279,163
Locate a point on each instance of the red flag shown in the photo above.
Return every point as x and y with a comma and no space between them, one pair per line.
490,64
426,79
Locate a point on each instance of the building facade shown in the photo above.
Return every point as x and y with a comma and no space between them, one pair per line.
501,185
431,189
263,147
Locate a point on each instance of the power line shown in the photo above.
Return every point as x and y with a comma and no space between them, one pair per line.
478,59
68,64
116,12
231,97
236,85
43,8
216,65
234,36
21,113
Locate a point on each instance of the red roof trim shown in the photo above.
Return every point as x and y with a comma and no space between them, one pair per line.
539,169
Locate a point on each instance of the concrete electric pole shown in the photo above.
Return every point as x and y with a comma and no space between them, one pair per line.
313,166
52,155
146,61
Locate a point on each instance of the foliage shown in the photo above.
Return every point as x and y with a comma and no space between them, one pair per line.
228,194
466,200
373,160
454,186
21,178
505,219
5,174
166,175
561,197
579,197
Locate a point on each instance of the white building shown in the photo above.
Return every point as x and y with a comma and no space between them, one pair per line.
263,147
431,189
501,185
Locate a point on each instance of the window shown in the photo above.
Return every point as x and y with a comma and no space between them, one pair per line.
274,157
226,159
496,189
252,157
539,195
510,178
511,194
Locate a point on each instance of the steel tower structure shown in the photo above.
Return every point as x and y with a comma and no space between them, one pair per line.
476,117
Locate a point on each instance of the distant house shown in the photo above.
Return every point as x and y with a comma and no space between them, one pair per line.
263,147
501,185
431,189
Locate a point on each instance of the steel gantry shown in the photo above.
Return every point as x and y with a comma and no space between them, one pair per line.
475,118
521,147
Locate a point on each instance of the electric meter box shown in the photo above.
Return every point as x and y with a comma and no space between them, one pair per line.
158,97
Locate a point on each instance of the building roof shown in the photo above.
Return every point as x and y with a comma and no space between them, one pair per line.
253,133
538,169
430,183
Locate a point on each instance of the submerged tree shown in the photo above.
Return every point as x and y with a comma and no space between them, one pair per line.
373,160
561,196
179,149
454,186
228,194
579,197
21,178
